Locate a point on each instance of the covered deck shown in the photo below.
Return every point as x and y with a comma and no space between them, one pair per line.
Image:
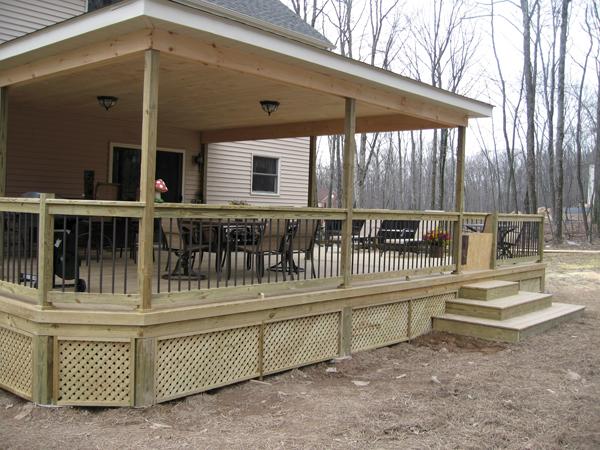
133,303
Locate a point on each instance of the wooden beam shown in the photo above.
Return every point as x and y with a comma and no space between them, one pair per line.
459,201
148,171
43,372
312,173
145,355
78,59
348,190
393,122
273,68
45,252
3,138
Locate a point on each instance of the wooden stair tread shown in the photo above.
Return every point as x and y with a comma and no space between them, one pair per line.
491,284
503,302
518,323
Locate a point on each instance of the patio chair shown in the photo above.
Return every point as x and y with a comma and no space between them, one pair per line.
398,235
302,240
511,237
272,240
190,238
333,232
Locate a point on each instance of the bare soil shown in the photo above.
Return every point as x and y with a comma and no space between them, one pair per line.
440,391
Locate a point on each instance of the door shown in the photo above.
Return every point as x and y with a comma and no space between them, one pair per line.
126,172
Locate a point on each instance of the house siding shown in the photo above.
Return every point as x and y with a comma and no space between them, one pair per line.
20,17
229,170
48,152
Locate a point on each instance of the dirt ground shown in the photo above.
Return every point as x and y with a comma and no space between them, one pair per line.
439,391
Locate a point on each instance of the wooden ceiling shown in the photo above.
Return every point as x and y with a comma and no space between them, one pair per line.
192,95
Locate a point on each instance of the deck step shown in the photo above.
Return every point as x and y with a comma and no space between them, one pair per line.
500,308
509,330
489,290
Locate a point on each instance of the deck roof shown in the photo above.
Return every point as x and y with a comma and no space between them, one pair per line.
214,70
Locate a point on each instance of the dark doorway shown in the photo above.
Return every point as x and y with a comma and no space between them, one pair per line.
126,172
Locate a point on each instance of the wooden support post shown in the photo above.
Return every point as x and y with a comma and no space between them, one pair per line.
312,173
346,332
3,138
541,239
148,171
348,189
43,372
491,226
3,153
145,355
45,252
459,198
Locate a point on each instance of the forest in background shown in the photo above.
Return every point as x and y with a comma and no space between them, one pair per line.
536,61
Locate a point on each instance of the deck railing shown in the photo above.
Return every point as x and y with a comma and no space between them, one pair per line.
75,252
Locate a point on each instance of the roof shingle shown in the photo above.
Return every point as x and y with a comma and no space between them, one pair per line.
271,11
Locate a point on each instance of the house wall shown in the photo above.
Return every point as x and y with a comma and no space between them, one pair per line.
230,171
48,152
19,17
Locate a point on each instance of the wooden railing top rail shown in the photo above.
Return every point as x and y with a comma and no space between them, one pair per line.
524,217
22,205
408,215
104,208
200,211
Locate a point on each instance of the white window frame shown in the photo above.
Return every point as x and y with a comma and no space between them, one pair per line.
265,193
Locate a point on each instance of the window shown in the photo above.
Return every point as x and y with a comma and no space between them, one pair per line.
265,174
93,5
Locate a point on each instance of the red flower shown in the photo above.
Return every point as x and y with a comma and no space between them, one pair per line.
160,186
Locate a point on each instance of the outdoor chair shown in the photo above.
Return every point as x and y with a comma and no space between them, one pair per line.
302,240
511,239
272,240
398,235
333,232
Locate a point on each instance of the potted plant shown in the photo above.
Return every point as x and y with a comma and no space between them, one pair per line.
437,240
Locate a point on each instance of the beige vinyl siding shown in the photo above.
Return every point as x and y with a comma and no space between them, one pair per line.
20,17
48,152
230,171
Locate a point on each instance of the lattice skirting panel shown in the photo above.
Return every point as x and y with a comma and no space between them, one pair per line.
296,342
94,372
16,362
190,364
377,326
531,285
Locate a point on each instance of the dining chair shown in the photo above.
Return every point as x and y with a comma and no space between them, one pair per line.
272,240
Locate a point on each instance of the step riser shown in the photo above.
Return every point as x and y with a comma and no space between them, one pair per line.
497,313
488,294
475,330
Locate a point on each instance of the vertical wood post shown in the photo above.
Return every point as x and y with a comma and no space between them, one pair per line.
45,252
348,189
346,332
459,198
3,138
145,355
541,239
312,173
148,172
491,226
3,153
43,371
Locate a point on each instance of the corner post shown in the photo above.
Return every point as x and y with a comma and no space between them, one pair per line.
348,189
541,239
3,153
491,226
45,252
459,198
3,138
148,170
43,369
312,173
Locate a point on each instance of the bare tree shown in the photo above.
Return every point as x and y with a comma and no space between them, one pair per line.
560,123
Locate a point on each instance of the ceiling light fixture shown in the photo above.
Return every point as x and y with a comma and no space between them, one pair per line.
269,106
107,101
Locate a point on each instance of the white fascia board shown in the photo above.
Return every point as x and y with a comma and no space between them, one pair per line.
161,11
54,35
